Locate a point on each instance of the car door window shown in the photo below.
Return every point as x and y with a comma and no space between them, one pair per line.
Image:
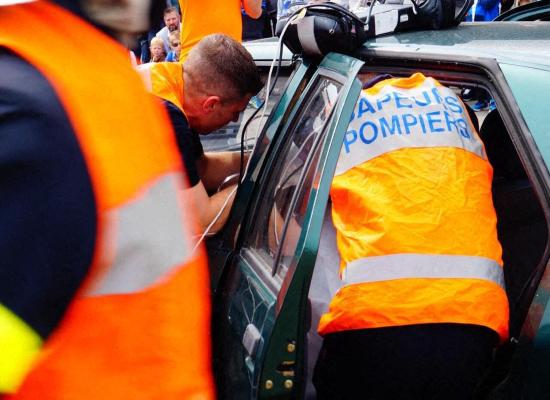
280,216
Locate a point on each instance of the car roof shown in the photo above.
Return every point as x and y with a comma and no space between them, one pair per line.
263,51
521,43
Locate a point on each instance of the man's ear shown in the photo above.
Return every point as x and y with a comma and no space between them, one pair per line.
211,103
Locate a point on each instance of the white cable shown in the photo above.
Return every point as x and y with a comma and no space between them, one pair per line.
368,16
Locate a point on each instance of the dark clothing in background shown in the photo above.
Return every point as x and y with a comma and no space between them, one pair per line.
262,27
189,144
47,206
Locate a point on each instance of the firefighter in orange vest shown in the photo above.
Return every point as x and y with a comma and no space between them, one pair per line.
212,88
423,302
101,295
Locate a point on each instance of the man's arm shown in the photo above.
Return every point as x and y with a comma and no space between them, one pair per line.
253,8
208,207
214,167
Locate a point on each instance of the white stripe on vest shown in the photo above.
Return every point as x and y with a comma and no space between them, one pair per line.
429,115
145,239
401,266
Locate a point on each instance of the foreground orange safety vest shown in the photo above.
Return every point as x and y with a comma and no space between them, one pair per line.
139,327
413,211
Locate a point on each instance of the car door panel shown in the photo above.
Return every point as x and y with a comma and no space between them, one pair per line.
261,302
291,324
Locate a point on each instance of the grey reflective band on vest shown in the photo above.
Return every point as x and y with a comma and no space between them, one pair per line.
306,34
402,266
145,239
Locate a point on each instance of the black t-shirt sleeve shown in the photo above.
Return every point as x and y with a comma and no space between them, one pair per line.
189,144
47,207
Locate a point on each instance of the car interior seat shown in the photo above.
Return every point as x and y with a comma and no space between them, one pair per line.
473,116
522,232
520,220
500,149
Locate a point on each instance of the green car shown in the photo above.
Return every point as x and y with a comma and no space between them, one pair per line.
274,266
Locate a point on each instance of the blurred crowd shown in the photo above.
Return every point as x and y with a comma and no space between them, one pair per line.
163,43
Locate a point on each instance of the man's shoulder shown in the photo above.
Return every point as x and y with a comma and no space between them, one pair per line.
188,141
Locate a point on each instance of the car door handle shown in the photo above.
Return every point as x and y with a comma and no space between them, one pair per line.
251,339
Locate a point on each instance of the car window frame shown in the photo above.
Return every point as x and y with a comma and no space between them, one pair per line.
272,353
313,88
292,298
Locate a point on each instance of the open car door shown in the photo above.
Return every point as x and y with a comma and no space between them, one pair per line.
261,300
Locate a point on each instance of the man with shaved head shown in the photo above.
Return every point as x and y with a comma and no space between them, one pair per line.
209,90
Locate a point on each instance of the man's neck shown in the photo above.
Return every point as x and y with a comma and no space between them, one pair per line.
190,104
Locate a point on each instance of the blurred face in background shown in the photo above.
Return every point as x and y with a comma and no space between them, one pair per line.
175,44
125,19
157,50
172,21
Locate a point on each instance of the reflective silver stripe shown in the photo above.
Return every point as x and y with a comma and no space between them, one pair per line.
144,239
428,115
13,2
306,34
399,266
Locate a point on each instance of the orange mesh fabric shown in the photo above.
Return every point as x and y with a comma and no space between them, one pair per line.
413,178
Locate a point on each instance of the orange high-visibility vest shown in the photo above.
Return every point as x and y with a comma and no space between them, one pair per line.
202,18
139,326
413,212
165,80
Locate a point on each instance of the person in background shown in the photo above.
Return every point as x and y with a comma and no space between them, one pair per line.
157,50
423,302
144,40
175,45
172,22
101,294
483,10
210,89
201,18
257,28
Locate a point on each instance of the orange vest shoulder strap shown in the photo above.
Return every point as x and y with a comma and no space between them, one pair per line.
165,80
